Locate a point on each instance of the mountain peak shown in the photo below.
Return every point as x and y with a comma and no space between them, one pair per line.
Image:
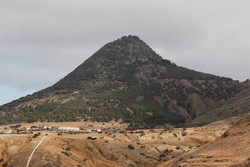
130,38
127,47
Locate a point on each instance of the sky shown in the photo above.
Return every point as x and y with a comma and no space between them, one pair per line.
42,41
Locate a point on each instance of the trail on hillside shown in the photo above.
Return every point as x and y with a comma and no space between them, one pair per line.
34,151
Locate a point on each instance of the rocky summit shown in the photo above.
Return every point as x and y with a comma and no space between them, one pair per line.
126,80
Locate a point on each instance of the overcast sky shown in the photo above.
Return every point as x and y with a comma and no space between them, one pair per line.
41,41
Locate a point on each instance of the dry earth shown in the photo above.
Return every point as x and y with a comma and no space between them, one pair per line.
232,149
111,148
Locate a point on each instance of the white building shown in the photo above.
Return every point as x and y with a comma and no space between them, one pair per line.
7,131
98,130
66,128
47,127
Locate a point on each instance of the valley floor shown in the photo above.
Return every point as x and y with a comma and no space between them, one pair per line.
147,148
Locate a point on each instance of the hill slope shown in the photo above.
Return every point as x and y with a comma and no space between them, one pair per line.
238,105
125,79
231,149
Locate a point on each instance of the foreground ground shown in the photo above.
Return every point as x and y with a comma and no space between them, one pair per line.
145,148
232,149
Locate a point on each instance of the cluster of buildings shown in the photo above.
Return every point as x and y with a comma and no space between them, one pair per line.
56,129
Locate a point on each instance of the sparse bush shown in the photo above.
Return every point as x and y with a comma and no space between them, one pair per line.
131,165
66,153
183,134
140,132
36,135
131,147
162,155
209,156
67,149
177,148
167,151
143,146
175,135
152,131
91,138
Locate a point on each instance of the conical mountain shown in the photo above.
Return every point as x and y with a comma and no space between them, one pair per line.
125,80
110,62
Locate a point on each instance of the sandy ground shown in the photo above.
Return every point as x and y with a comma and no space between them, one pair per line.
148,148
232,149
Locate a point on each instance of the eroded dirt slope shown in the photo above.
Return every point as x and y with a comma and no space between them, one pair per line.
232,149
119,148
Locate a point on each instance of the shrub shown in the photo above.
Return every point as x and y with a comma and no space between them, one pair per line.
131,147
66,153
131,165
162,155
36,135
142,146
177,148
175,135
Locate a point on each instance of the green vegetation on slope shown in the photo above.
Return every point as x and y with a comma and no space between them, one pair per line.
125,79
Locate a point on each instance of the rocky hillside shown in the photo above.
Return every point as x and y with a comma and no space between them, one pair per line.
238,105
125,80
232,149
